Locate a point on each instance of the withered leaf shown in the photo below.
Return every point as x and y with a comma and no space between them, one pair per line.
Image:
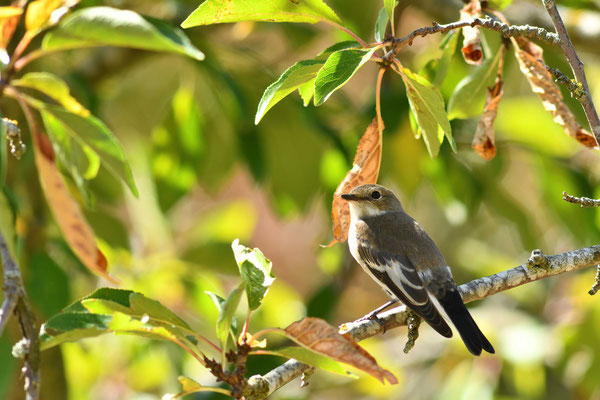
364,170
320,337
483,141
530,60
471,48
68,215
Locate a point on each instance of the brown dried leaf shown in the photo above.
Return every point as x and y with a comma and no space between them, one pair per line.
530,59
320,337
483,141
70,219
471,49
364,170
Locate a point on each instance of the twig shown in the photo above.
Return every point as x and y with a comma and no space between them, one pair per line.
585,202
577,66
16,299
259,387
488,23
575,89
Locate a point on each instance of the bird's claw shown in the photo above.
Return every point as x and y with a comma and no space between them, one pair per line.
373,317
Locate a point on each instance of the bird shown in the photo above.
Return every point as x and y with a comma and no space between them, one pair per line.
401,257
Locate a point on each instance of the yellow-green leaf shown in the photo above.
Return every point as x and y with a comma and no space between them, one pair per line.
427,104
221,11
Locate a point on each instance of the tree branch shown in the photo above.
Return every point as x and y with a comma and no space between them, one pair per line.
584,202
15,300
538,266
577,66
505,29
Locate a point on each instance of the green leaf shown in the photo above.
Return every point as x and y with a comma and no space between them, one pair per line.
298,76
119,311
77,158
220,11
53,87
437,69
427,104
294,77
468,98
93,133
337,70
381,24
106,26
307,90
3,150
389,6
309,357
255,270
229,306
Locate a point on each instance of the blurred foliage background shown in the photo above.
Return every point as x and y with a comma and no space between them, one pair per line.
206,175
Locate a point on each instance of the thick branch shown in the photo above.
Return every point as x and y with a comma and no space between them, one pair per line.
538,267
577,66
15,299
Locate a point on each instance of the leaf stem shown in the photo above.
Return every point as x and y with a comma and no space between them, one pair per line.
348,31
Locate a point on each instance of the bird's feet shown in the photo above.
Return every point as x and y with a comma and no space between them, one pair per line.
372,316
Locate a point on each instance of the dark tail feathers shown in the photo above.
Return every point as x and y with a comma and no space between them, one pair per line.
464,323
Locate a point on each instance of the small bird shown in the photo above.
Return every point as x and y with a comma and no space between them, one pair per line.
401,257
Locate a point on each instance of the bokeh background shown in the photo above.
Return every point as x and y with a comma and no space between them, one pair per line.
208,175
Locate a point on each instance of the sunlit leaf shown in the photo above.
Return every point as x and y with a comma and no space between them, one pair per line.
296,77
337,70
381,24
313,358
80,160
189,386
255,270
9,18
468,98
427,104
53,87
389,6
43,13
68,215
364,170
320,337
93,133
115,310
106,26
220,11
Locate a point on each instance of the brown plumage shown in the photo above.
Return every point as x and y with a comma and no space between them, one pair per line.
401,257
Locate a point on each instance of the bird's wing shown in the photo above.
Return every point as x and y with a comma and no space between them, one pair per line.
402,279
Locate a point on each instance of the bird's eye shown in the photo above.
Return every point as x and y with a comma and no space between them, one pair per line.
375,195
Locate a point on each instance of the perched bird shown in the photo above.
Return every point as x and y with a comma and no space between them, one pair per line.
401,257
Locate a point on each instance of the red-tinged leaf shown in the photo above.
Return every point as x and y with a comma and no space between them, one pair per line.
484,139
9,18
320,337
471,49
365,170
68,215
530,60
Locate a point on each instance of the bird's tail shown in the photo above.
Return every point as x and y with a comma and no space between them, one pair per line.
464,323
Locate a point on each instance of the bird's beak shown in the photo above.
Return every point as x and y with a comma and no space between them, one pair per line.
350,197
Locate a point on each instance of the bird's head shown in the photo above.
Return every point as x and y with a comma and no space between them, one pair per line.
371,200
